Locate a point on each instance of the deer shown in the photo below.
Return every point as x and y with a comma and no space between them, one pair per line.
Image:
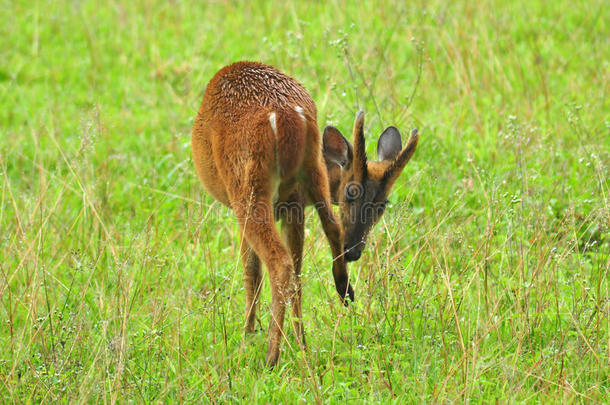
257,149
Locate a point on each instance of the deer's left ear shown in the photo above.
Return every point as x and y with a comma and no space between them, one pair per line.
389,144
336,148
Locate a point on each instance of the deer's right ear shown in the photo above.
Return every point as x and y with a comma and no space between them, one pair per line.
389,144
336,148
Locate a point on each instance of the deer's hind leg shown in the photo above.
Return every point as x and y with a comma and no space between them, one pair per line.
253,282
293,228
254,212
258,226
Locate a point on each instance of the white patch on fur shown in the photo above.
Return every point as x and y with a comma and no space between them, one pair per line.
277,141
273,124
299,110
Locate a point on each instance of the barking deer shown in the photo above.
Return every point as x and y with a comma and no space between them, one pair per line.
257,149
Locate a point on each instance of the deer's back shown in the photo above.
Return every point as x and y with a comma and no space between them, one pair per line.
239,88
252,110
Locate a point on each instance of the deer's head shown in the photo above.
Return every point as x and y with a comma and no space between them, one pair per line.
361,187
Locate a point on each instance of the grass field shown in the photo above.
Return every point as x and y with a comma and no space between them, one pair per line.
487,279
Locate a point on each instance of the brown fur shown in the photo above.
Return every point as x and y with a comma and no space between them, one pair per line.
247,165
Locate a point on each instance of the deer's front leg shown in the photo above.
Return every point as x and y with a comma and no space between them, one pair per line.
319,194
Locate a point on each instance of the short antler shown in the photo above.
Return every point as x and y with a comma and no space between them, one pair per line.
359,161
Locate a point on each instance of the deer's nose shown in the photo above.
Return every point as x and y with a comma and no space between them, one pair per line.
352,254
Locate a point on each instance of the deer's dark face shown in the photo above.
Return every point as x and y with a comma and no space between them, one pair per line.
361,187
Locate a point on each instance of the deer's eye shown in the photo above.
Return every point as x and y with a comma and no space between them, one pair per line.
353,191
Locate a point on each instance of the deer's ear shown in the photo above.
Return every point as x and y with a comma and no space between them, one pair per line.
336,148
389,144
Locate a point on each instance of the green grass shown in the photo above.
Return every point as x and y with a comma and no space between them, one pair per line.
486,281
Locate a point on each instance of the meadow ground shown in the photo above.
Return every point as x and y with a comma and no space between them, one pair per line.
487,279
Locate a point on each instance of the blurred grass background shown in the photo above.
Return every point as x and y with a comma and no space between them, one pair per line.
486,281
